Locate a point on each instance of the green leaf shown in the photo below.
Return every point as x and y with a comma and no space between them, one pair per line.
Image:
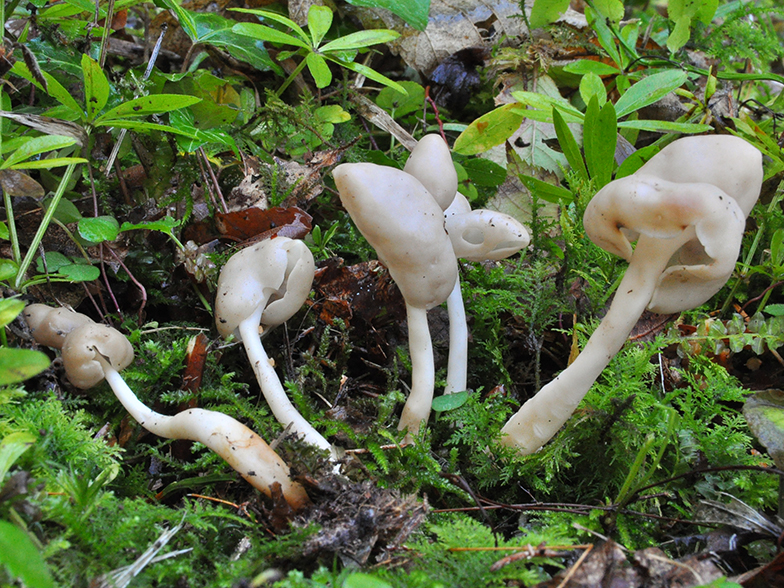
399,104
217,31
8,269
279,18
414,12
4,232
12,446
54,261
599,139
664,126
99,229
96,87
680,34
332,113
368,72
775,309
584,66
49,163
489,130
319,69
165,225
706,11
546,103
592,85
80,272
267,34
146,105
612,9
359,40
547,191
649,90
18,365
360,580
605,36
319,21
184,17
764,412
484,172
35,146
9,310
54,88
66,211
20,556
569,145
447,402
545,12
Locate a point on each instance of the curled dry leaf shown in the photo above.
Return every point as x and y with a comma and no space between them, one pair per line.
257,224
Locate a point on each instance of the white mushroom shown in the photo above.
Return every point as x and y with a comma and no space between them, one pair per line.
686,209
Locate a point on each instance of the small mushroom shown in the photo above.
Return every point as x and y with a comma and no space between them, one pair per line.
686,209
92,352
430,162
263,286
49,325
405,225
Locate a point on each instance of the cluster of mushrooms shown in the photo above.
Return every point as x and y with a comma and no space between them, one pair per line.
685,208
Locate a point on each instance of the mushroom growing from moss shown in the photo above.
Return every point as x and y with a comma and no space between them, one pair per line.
405,225
260,287
92,352
686,209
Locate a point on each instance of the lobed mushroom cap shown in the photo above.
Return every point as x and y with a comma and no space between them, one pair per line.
80,349
479,235
701,215
431,163
49,326
276,274
405,225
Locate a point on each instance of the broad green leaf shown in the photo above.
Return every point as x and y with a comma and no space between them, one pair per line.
217,30
584,66
49,163
360,580
706,11
414,12
96,87
12,447
569,145
484,172
319,21
23,560
612,9
359,40
18,365
184,17
8,269
66,211
605,36
9,310
489,130
332,113
268,34
447,402
649,90
368,72
636,160
80,272
776,249
279,18
545,103
146,105
764,412
35,146
4,232
165,224
664,126
99,229
774,309
399,104
547,191
592,85
546,11
319,69
680,34
599,140
54,261
54,88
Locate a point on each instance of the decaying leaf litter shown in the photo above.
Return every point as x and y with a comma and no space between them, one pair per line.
685,495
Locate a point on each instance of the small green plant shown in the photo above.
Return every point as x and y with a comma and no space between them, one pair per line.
315,56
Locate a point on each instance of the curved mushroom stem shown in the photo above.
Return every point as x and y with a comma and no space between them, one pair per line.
243,450
457,366
540,418
423,372
273,391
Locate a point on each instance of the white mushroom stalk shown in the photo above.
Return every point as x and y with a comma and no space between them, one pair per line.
688,221
263,286
405,225
92,352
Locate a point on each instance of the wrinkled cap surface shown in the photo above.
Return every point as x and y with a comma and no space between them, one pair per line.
431,163
701,215
405,225
49,325
274,275
479,235
81,346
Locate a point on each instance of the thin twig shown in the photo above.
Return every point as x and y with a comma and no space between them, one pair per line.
133,279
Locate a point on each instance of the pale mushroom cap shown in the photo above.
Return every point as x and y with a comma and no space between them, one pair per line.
405,225
81,346
277,272
702,214
726,161
49,326
479,235
431,163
